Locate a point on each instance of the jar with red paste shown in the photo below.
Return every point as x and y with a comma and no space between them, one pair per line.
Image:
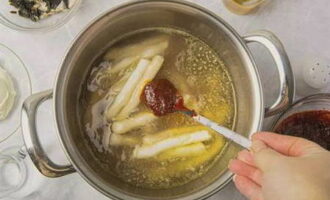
308,118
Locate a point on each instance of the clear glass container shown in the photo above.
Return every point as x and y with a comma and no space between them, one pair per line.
19,179
19,23
307,114
310,103
14,66
13,171
242,7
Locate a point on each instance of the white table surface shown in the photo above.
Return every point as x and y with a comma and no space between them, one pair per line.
302,26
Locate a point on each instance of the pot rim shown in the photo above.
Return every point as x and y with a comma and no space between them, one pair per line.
244,51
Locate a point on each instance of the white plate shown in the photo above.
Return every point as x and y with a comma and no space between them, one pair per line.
10,62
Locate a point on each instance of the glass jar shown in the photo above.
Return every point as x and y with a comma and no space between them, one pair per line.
242,7
309,116
12,170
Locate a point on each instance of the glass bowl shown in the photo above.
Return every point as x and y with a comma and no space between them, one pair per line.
10,62
19,23
13,170
241,7
317,103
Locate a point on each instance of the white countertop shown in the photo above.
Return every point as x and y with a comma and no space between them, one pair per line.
302,26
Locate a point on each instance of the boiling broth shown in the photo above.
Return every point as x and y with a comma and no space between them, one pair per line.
199,75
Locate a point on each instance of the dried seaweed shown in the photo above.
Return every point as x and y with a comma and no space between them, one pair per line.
26,9
31,9
52,4
66,3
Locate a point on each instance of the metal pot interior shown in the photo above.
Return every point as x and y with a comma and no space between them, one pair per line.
135,16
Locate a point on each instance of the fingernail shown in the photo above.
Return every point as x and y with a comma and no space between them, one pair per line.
257,146
234,178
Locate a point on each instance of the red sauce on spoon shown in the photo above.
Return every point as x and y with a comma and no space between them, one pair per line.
162,97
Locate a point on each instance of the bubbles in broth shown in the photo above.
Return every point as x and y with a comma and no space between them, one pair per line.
126,138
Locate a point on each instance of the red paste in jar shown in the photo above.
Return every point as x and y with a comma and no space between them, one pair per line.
312,125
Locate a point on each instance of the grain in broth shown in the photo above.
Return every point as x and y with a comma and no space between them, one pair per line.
198,73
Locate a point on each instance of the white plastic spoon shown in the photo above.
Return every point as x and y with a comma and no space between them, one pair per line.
227,133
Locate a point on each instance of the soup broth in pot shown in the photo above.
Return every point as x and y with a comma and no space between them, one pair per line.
132,143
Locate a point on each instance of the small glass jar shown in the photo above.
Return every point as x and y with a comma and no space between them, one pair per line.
13,170
242,7
316,107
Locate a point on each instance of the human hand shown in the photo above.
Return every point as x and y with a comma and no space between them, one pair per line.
280,167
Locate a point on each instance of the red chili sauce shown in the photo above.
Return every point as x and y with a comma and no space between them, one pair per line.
312,125
162,97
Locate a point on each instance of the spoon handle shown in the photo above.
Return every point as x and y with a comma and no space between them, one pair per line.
229,134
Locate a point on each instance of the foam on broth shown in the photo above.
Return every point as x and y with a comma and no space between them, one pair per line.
196,71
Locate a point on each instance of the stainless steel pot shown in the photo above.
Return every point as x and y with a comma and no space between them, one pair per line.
188,17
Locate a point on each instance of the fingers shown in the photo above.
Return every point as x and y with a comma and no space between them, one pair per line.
264,157
246,157
243,169
248,188
287,145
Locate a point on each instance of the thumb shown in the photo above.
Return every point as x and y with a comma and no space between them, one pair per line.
264,156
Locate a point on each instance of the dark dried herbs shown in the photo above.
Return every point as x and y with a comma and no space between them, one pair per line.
53,4
37,9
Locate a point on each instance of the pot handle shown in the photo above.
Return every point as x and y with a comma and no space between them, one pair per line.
32,143
276,49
